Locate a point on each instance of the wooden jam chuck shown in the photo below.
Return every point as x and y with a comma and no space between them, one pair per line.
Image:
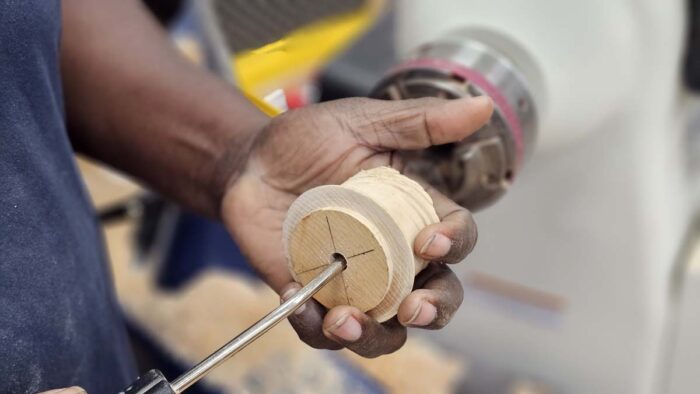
371,221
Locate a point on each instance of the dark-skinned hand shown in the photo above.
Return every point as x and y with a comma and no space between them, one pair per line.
326,144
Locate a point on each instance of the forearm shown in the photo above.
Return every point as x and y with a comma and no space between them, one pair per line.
134,103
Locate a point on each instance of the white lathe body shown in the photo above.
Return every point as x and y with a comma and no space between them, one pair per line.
571,281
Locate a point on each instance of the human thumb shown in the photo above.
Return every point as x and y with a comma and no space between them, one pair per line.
415,123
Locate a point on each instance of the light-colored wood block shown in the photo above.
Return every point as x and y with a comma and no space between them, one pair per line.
371,221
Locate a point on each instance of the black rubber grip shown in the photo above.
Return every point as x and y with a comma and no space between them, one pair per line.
152,382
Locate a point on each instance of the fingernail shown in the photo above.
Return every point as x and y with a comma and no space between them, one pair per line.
347,328
288,294
424,314
437,246
482,100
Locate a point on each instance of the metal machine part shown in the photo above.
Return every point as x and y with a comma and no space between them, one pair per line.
253,24
153,382
478,170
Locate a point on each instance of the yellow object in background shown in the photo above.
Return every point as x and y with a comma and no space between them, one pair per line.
262,105
294,59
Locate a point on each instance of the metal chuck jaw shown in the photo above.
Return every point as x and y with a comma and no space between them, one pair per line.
477,171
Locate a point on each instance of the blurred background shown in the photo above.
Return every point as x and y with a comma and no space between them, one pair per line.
586,277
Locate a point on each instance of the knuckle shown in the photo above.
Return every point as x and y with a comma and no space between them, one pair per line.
381,339
464,216
312,334
307,336
370,353
400,121
445,292
472,231
399,343
380,348
466,234
453,300
406,121
445,314
458,296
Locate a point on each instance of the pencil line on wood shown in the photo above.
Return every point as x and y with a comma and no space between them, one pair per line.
311,269
345,285
360,254
331,232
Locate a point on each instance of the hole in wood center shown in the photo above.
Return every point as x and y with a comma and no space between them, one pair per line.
340,257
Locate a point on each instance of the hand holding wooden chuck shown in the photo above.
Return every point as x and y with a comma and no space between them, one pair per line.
370,221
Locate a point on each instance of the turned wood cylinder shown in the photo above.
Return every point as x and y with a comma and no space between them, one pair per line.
371,221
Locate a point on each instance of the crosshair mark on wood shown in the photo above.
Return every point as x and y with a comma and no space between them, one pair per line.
372,219
326,234
333,257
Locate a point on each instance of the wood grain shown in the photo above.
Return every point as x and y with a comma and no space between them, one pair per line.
371,220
